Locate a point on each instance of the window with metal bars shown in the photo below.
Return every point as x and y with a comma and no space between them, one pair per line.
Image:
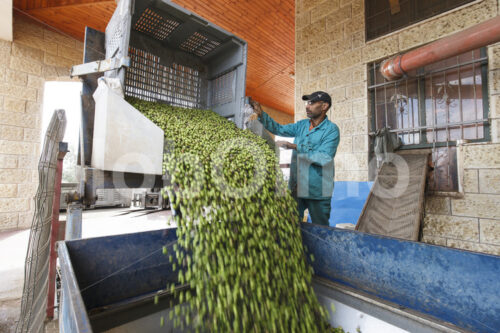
433,107
385,16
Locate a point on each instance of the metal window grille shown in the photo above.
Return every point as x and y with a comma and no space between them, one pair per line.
433,108
154,25
149,80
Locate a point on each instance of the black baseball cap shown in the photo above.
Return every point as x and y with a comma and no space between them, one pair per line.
318,96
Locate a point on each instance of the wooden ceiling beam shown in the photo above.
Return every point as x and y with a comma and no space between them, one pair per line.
28,5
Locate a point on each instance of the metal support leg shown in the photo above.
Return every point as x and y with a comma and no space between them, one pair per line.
74,221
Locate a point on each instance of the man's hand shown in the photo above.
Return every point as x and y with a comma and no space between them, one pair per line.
286,144
256,107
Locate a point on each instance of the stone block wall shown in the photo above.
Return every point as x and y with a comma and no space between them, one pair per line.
473,221
494,91
36,55
329,43
332,55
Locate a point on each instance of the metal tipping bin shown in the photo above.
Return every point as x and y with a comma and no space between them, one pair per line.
159,52
177,57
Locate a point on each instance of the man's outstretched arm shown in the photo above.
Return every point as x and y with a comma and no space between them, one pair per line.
272,126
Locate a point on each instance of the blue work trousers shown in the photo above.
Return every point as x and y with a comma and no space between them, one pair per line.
319,210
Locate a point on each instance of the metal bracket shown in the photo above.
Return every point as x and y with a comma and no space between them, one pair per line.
63,149
100,66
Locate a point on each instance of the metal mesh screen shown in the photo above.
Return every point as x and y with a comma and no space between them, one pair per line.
223,89
36,271
396,216
149,80
154,25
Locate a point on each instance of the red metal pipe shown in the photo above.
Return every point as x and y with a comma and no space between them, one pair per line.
480,35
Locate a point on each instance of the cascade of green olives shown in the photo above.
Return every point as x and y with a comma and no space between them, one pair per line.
239,242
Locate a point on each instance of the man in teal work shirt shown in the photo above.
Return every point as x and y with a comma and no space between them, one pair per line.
312,170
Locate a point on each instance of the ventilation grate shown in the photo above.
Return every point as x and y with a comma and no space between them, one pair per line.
199,44
222,91
208,47
149,80
101,195
155,25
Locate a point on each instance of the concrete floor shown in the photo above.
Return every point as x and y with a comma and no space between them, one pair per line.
98,222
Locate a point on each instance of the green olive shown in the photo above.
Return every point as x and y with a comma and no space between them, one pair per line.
239,242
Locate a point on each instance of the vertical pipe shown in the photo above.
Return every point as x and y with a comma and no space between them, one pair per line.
434,136
385,107
74,221
447,129
408,109
374,100
460,102
475,96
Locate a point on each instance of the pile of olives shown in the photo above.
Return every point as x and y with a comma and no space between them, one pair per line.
239,242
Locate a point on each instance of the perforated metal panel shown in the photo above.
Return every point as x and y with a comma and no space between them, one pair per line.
117,31
154,25
222,89
113,40
199,44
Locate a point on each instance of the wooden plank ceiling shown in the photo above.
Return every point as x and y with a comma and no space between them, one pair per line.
267,26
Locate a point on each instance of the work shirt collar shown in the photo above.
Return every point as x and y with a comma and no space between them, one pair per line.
319,125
